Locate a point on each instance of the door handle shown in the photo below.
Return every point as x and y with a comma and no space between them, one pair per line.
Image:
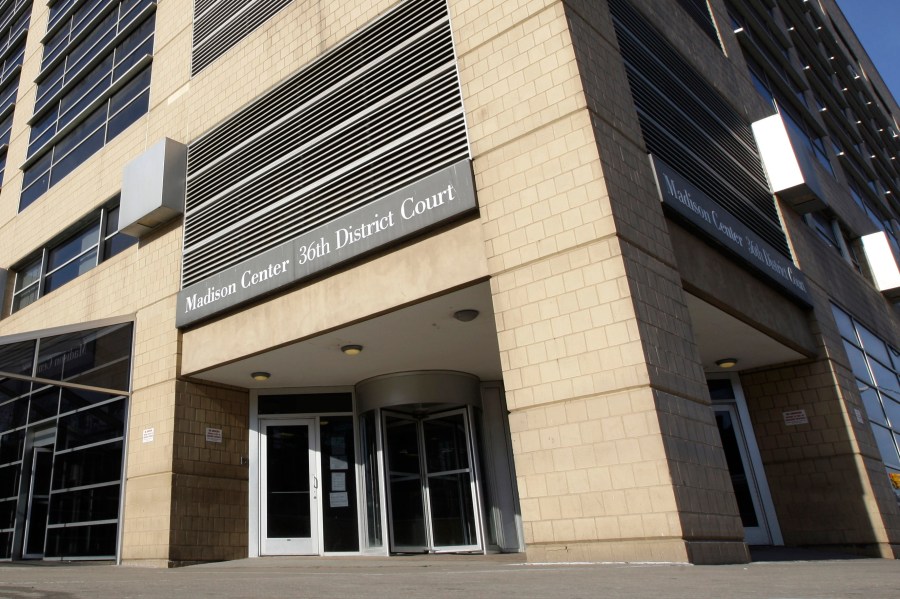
315,486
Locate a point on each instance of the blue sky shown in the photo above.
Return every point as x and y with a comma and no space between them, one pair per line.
877,25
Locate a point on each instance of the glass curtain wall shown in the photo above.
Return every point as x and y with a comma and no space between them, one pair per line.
63,411
875,366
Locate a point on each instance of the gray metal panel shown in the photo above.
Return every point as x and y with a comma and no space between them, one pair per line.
153,187
429,202
717,224
378,112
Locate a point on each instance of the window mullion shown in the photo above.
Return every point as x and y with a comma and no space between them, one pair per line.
45,257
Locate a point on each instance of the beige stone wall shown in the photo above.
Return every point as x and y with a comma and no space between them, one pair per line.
616,449
828,483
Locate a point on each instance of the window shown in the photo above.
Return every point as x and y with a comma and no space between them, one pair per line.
55,265
825,228
801,132
875,365
14,19
81,472
94,82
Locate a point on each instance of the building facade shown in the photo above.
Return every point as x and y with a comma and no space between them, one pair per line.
590,281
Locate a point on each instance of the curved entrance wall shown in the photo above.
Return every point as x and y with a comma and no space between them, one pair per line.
425,387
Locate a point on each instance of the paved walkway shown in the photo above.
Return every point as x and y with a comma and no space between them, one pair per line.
785,577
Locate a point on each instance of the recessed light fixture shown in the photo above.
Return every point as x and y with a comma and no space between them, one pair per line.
727,363
352,350
261,376
467,315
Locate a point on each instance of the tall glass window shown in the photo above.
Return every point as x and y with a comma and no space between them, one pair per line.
15,16
61,443
875,366
94,82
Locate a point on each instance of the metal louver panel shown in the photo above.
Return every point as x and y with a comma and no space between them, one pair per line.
219,25
378,112
691,127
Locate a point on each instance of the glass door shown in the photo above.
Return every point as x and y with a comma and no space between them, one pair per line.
408,527
450,482
431,483
38,503
289,488
742,479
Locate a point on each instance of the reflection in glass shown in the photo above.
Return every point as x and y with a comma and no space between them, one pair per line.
720,389
449,483
97,540
372,477
873,345
13,414
44,404
88,466
287,483
11,445
885,378
873,404
17,358
38,502
63,357
452,514
886,446
405,480
98,424
739,480
858,363
88,449
339,518
445,443
86,505
440,444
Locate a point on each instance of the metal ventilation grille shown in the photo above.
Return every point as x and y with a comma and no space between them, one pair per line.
378,112
691,127
219,25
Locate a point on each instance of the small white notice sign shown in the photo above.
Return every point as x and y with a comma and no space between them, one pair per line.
338,481
147,435
859,416
339,500
213,435
795,417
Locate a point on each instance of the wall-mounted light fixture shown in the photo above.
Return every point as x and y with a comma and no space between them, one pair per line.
352,350
261,376
727,363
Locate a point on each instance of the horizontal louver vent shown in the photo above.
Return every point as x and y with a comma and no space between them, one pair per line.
219,25
378,112
691,127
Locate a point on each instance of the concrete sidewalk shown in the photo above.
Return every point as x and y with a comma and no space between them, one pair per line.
458,576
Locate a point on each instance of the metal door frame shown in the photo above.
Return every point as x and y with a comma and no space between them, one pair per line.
35,450
275,546
430,546
770,533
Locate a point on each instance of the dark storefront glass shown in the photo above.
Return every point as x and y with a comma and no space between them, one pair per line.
338,484
77,434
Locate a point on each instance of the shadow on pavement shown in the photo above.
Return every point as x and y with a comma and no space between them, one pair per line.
768,553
